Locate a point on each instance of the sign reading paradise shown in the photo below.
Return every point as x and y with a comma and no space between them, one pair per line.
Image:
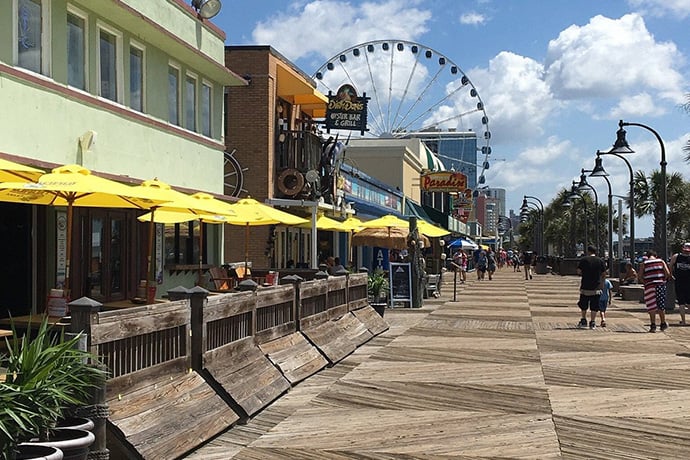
443,181
346,110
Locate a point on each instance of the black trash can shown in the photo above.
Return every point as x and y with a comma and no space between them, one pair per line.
541,267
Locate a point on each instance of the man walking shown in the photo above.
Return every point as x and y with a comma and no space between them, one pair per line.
680,269
592,269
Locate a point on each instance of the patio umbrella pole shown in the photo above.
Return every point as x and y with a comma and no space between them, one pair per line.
68,248
201,252
149,269
246,248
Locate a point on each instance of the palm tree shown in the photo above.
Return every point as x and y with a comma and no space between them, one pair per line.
686,147
647,198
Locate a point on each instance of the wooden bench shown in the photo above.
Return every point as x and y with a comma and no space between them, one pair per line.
296,358
632,292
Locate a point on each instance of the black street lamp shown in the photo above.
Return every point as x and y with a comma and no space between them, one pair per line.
599,171
621,146
581,187
539,207
599,167
575,194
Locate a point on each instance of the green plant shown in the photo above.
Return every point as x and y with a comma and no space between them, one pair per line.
44,376
377,285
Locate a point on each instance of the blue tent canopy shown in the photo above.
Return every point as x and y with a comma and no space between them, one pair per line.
463,243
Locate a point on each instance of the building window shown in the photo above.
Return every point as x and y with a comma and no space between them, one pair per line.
30,35
205,109
174,95
190,103
136,78
76,51
108,65
182,243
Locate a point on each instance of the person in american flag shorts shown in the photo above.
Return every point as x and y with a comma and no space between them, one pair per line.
654,273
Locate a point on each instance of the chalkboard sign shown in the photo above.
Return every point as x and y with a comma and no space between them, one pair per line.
400,282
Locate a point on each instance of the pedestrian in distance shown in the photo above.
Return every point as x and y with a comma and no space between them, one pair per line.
605,298
653,273
491,263
527,263
482,263
592,269
680,271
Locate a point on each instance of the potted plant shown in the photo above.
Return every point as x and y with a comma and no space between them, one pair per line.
377,288
43,377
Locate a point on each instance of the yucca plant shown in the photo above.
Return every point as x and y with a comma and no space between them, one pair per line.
44,376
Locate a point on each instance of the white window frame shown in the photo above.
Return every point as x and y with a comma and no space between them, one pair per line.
142,48
46,37
206,83
71,9
195,103
180,114
119,61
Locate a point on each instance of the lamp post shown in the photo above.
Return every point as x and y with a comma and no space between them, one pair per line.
621,146
599,171
573,194
583,185
597,164
539,206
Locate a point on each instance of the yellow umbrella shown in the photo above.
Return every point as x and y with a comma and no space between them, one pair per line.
11,171
387,221
175,217
172,200
430,230
325,223
253,213
74,185
352,223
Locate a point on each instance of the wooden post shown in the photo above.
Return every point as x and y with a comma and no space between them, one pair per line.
197,301
84,313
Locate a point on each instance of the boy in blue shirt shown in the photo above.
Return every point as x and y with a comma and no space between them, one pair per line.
605,299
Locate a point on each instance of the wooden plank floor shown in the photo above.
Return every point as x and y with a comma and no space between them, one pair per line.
502,372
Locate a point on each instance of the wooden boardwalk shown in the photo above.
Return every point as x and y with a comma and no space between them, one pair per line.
501,373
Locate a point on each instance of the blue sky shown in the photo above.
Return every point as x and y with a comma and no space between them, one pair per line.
555,76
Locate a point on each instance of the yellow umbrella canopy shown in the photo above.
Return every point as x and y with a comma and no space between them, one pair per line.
387,221
352,224
325,223
391,238
74,185
430,230
250,212
11,171
177,207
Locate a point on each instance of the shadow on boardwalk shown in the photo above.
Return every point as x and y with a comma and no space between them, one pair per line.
501,373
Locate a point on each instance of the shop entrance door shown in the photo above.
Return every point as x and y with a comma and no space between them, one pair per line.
105,236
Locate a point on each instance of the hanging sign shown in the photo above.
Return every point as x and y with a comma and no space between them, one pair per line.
346,110
443,181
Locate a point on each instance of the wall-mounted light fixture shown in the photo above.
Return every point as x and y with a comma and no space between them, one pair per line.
207,9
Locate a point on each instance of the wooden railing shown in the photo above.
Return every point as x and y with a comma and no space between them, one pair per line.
154,353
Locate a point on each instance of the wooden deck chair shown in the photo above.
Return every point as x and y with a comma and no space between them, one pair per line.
221,281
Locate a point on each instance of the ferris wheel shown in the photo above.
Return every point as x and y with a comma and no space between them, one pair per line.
411,89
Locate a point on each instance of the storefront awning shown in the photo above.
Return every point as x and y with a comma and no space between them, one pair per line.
295,88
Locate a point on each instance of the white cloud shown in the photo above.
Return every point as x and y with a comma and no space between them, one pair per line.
535,166
638,105
672,8
517,99
613,58
472,18
312,29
